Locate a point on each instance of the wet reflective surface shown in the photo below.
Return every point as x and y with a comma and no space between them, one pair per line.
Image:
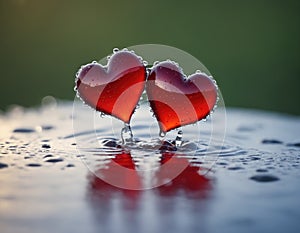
47,187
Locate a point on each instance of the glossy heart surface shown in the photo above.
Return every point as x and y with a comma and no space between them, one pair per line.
114,89
177,101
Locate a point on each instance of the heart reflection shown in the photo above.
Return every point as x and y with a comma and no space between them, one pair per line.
189,182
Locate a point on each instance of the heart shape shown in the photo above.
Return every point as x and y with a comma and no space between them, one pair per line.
114,89
177,101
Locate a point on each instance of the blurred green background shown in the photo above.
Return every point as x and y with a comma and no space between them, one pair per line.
251,47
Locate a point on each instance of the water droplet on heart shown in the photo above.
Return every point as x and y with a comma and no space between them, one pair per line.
115,50
145,63
178,140
102,114
198,72
126,134
108,58
155,63
162,135
94,62
137,106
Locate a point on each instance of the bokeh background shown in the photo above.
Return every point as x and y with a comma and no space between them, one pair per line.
251,47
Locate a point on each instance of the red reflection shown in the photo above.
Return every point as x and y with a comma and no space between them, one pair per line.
120,173
189,182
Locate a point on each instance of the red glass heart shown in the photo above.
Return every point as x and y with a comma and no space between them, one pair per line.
177,101
114,89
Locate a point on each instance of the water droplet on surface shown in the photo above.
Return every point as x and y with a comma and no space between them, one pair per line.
294,144
56,160
264,178
47,127
3,165
261,170
24,130
46,146
235,168
145,63
271,141
33,165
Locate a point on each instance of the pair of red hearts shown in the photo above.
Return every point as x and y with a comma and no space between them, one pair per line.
116,89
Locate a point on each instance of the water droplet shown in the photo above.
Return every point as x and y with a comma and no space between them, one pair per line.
102,114
235,168
108,58
46,146
155,63
297,144
126,134
94,62
145,63
271,141
137,106
47,127
162,134
261,170
115,50
264,178
3,165
178,140
24,130
33,165
56,160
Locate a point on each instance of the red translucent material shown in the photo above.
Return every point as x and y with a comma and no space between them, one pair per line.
116,89
177,101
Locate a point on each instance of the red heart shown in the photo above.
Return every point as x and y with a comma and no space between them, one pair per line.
177,101
114,89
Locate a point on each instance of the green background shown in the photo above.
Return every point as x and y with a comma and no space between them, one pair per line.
250,47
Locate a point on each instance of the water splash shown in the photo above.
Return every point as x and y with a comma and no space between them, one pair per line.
178,140
126,134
